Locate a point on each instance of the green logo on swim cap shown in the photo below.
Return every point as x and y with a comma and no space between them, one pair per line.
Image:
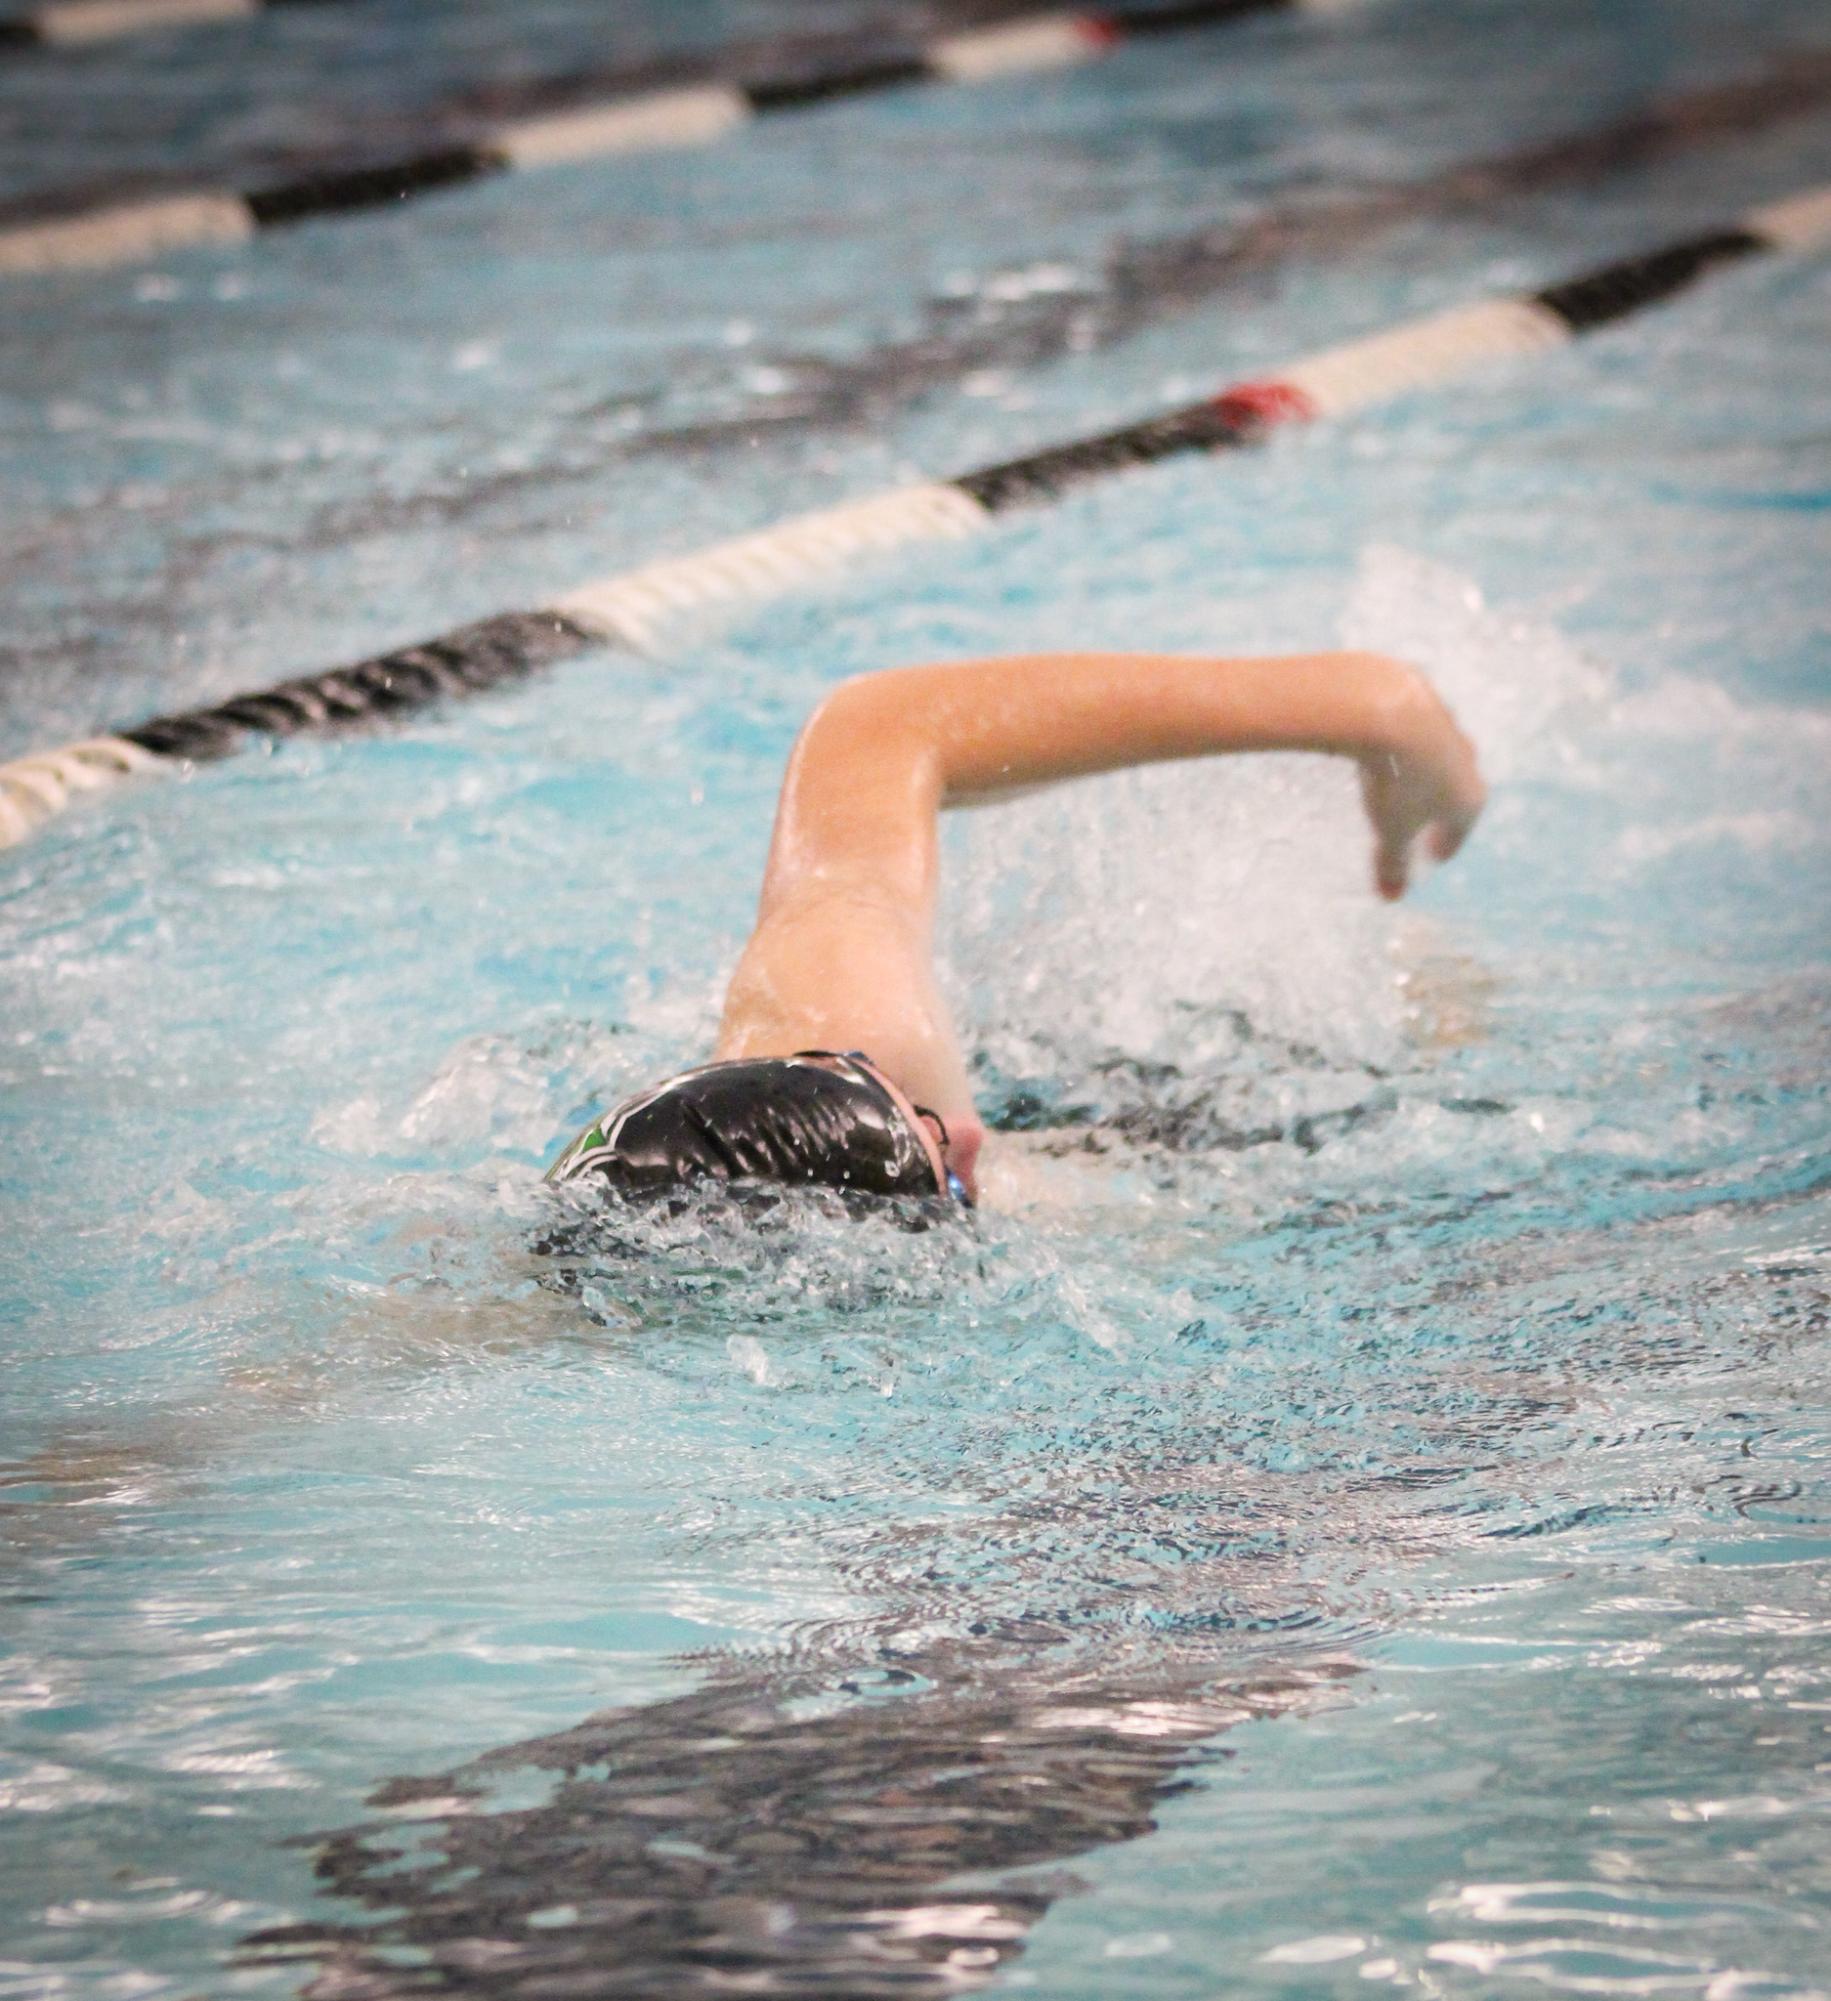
568,1164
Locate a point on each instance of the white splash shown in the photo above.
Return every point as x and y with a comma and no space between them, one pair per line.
1146,914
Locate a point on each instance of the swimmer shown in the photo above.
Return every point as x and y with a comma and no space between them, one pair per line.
836,1063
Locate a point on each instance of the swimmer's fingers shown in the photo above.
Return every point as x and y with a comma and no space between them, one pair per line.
1419,777
1447,835
1391,867
1464,795
1393,808
1439,798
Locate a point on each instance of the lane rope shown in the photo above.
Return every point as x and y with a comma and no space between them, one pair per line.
129,231
641,610
1140,283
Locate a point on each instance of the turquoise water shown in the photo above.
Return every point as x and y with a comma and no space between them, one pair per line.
1352,1516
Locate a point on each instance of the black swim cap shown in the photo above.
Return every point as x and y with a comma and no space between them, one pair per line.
779,1119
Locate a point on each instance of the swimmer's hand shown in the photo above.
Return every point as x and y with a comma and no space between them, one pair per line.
1421,777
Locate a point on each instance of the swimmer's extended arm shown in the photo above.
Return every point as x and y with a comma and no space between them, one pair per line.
883,753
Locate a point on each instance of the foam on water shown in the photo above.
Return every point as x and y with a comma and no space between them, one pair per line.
1268,921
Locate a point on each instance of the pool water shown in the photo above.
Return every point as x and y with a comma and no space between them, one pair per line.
1353,1513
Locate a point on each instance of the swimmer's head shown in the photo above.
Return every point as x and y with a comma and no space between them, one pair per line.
810,1119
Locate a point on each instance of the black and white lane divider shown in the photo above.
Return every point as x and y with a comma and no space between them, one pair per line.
640,610
127,232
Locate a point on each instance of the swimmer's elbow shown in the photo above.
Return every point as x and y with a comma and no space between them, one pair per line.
875,730
896,701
